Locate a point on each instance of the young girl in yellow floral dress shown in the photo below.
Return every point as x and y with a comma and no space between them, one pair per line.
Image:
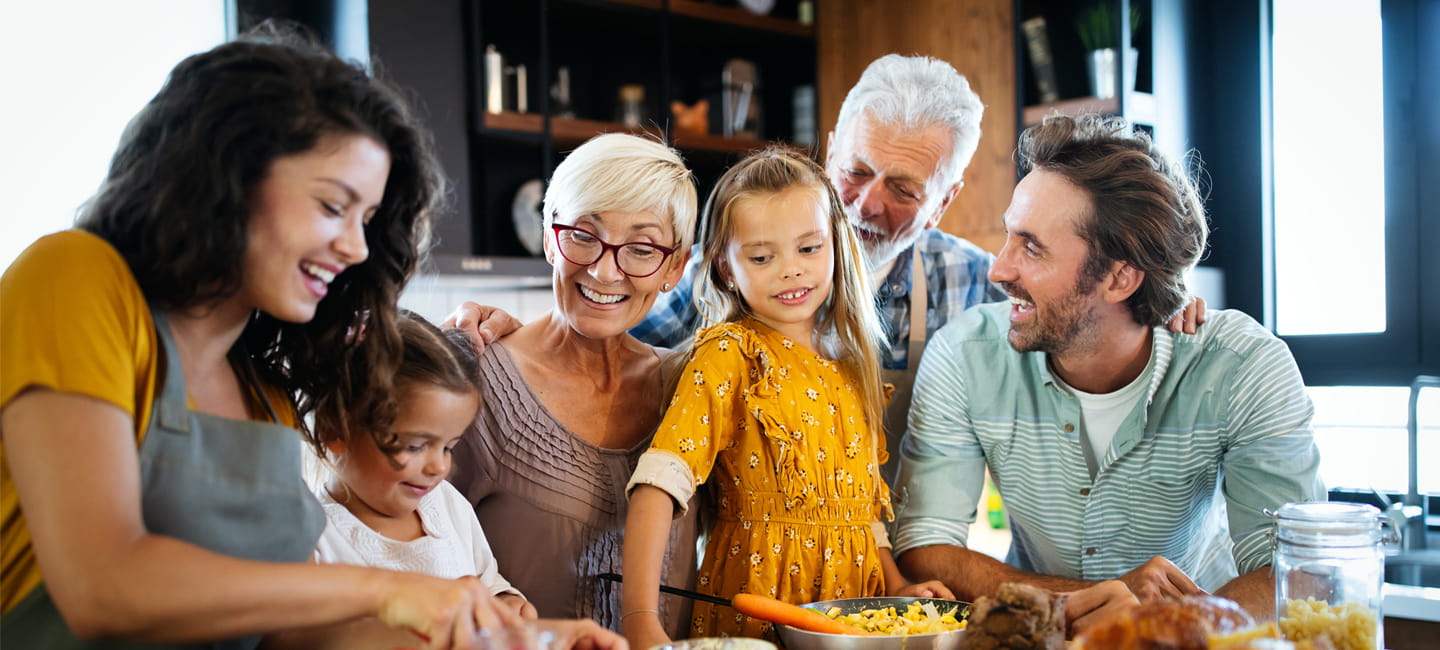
777,412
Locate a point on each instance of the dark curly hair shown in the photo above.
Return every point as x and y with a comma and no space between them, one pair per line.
1145,210
432,358
176,204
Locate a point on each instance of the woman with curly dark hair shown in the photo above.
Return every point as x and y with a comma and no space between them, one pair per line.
259,219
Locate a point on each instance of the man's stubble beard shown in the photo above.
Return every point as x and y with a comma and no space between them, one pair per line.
1066,327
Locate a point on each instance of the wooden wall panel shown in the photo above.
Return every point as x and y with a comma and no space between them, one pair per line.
975,36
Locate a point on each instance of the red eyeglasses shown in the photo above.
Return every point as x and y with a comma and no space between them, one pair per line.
635,259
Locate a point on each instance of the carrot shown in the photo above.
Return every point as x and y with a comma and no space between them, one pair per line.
769,609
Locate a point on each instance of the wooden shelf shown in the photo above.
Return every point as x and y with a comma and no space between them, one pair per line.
573,131
1140,108
675,49
710,142
735,16
653,5
511,121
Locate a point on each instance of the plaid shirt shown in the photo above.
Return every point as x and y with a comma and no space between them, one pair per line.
955,276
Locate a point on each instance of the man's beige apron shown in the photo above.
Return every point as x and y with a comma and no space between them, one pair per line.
904,380
229,486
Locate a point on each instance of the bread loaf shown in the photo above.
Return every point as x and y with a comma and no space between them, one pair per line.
1019,617
1183,624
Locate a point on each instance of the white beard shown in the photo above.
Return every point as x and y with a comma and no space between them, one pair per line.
880,255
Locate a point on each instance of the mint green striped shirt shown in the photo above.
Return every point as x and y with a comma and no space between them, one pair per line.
1223,433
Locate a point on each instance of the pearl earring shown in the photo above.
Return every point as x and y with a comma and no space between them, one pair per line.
730,285
665,287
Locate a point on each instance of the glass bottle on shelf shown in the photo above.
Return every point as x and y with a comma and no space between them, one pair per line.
631,107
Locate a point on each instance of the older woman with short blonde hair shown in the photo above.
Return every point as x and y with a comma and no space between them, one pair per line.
571,399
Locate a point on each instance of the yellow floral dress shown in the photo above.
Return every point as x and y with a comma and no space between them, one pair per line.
778,435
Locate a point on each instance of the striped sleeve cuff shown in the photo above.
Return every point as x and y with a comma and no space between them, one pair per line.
928,531
1252,551
666,471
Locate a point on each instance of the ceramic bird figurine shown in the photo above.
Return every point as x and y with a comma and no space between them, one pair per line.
693,120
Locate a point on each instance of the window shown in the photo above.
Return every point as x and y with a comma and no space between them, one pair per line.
1353,201
1362,435
1351,194
1322,217
75,72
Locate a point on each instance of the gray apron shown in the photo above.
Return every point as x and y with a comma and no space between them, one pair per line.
904,380
229,486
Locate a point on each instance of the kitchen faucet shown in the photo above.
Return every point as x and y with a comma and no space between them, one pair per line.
1413,537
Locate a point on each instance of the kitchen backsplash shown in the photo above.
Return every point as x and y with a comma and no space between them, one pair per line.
436,296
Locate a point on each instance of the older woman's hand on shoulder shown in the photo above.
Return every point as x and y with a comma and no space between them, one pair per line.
483,324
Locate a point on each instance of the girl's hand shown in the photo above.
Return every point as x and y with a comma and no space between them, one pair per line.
583,634
519,605
644,631
927,589
445,613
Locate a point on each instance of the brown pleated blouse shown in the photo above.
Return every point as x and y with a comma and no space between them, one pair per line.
553,505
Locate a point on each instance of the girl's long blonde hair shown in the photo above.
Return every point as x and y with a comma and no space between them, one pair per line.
848,325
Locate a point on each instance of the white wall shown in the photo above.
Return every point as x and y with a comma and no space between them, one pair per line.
74,72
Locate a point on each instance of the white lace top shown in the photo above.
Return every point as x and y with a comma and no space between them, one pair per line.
453,545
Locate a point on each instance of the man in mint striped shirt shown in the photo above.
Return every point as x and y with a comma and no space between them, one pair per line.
1124,452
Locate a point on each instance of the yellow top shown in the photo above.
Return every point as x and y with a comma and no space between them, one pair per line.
73,320
778,433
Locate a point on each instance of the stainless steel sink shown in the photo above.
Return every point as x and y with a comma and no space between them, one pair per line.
1418,568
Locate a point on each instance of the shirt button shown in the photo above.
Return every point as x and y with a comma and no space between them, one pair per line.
1069,427
1084,492
1090,551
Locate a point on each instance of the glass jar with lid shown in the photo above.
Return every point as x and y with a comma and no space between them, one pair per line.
1329,567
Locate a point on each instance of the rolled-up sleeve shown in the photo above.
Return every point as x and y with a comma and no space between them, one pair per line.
942,466
1271,458
663,469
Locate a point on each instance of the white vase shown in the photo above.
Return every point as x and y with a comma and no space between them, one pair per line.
1102,71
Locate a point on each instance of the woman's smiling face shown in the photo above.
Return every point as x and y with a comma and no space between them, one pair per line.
599,300
307,224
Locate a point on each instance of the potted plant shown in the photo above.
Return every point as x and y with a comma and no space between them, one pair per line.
1096,25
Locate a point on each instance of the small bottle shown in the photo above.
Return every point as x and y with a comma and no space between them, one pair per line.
494,80
1329,567
994,506
631,107
560,93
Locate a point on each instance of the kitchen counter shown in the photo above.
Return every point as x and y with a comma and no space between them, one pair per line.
1414,603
